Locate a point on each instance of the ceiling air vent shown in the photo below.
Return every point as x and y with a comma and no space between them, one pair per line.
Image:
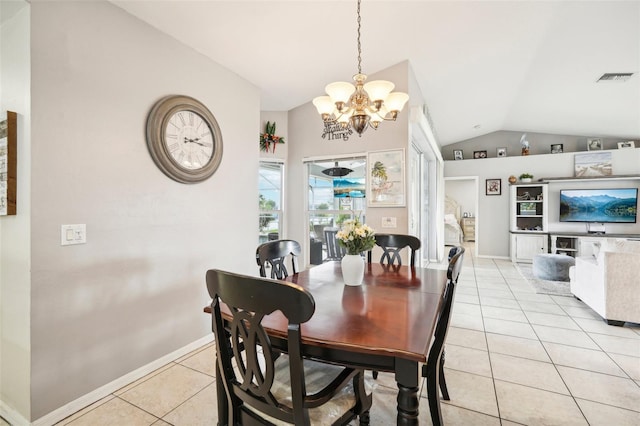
615,77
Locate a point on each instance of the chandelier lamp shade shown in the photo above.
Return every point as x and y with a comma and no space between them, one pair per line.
363,104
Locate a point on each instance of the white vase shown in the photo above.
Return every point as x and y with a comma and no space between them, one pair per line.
352,269
526,180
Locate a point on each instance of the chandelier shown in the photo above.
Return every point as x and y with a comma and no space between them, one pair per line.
362,105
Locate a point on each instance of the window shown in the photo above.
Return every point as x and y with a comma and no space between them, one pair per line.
270,201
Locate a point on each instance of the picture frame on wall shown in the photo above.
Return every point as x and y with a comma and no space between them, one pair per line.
493,187
457,154
479,154
628,144
594,144
556,148
593,164
385,183
501,152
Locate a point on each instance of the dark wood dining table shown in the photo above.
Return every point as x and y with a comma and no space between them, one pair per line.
386,324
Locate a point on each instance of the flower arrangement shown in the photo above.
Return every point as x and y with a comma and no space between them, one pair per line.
356,237
268,138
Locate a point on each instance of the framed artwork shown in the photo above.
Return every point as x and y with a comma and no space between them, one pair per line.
479,154
593,164
8,162
556,148
385,183
493,186
501,152
629,144
594,144
457,154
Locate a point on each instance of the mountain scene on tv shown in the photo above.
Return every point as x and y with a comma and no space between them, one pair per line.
599,206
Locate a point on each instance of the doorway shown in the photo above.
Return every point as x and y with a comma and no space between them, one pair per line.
461,201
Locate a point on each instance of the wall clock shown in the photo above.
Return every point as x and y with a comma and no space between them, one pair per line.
184,139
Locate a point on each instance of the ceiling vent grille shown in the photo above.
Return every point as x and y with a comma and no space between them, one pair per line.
615,77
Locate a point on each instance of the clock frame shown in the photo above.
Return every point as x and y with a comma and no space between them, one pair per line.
158,139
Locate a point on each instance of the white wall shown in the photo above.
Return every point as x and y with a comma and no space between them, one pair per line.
493,214
15,241
136,290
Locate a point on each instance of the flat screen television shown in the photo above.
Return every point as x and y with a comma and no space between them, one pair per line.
617,205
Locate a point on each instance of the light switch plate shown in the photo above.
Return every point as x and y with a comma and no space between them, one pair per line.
73,234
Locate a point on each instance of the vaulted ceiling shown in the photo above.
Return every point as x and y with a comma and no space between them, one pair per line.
482,66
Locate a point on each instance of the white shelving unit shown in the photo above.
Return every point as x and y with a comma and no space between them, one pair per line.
529,221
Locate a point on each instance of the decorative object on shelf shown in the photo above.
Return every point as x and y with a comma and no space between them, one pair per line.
356,238
333,131
362,106
594,144
479,154
524,196
524,143
628,144
512,179
526,177
184,139
501,152
268,139
593,164
493,187
8,163
528,209
457,154
556,148
385,187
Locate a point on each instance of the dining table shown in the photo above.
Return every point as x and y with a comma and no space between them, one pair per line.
386,324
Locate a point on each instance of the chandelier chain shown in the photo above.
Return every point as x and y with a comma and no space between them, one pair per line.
359,47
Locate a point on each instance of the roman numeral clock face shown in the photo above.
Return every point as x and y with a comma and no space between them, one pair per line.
189,140
184,139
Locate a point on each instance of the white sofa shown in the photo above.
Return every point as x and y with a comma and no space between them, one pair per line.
609,281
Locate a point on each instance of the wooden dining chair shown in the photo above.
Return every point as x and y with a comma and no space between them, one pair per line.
274,255
434,369
391,245
260,387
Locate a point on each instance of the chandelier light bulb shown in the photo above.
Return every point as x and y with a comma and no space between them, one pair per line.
324,105
378,90
340,91
396,100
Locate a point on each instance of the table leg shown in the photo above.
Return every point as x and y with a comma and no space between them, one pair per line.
223,407
407,378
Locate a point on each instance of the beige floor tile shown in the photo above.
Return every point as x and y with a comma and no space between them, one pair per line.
606,415
165,391
537,374
472,322
161,422
384,408
581,312
564,336
585,359
498,302
467,298
520,287
493,285
142,379
114,412
203,361
517,346
200,409
568,301
617,345
509,328
503,313
508,423
500,294
473,361
467,338
472,290
85,410
545,308
455,416
531,406
630,364
533,297
3,422
194,352
466,309
601,327
603,388
553,320
471,391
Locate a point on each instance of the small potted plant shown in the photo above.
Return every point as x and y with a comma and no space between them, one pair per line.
526,177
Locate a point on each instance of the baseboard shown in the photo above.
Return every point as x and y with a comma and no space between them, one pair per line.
96,395
486,256
12,416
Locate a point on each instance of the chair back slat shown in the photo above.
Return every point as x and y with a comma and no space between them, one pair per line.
334,250
274,254
391,245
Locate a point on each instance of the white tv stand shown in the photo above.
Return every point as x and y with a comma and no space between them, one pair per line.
579,244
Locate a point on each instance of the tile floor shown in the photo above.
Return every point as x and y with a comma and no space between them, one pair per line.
513,357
